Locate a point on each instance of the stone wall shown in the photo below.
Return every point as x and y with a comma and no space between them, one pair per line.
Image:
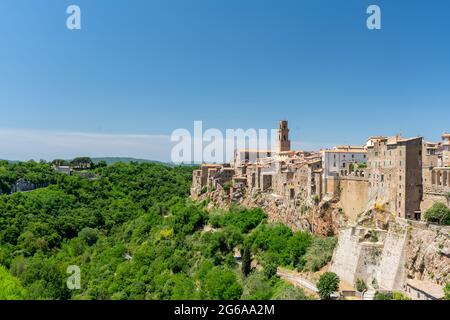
409,250
346,256
391,274
358,256
353,196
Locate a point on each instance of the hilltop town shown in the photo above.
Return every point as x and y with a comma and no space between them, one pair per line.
374,197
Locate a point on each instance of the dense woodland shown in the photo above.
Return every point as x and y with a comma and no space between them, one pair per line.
135,234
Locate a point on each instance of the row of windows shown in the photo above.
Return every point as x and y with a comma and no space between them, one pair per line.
379,164
353,156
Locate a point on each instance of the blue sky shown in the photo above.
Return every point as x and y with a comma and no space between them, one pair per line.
144,68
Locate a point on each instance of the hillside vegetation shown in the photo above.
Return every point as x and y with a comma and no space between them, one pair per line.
135,234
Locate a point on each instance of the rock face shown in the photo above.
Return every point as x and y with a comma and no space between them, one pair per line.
379,248
324,218
428,254
386,258
22,185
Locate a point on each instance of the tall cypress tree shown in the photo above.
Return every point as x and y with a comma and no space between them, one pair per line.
246,260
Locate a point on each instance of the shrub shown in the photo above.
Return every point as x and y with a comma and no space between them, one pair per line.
351,167
447,291
383,296
227,186
438,213
286,291
166,234
316,199
243,219
304,209
362,165
328,283
270,269
390,296
10,287
257,287
399,296
318,254
89,235
360,285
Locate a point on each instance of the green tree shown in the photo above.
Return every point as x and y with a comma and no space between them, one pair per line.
438,213
222,284
184,288
270,266
10,287
328,283
82,163
246,260
257,287
297,246
89,235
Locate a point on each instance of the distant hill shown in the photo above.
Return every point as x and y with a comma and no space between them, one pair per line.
10,161
111,160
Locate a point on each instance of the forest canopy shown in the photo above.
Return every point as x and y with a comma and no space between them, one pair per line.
135,234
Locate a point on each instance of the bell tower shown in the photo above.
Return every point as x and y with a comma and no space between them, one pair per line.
284,144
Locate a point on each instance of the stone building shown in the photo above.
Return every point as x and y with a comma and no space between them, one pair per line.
287,173
423,290
394,170
339,162
403,177
436,172
201,178
284,144
445,150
